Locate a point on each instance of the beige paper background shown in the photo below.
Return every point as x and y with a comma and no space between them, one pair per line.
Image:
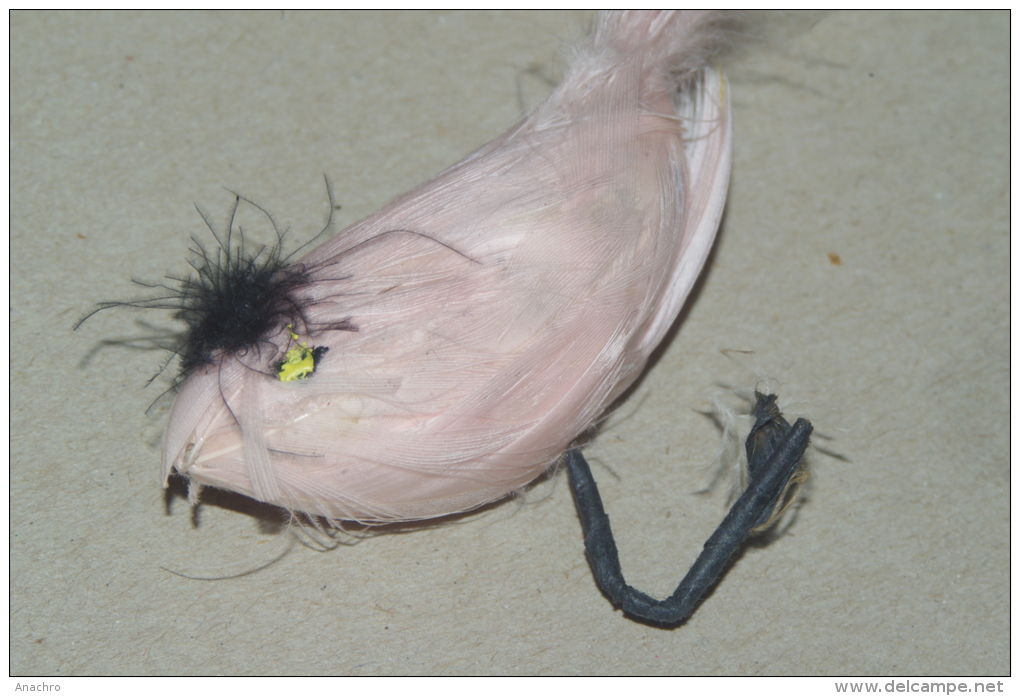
881,138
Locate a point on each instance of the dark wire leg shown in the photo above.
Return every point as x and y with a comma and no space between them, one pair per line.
777,460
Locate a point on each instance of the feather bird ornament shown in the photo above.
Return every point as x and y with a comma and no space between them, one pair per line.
447,350
474,327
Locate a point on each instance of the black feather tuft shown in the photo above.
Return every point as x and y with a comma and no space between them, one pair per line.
235,301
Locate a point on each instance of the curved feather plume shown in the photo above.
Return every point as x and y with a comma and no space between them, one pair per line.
497,309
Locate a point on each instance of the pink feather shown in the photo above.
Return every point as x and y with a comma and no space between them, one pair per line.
499,307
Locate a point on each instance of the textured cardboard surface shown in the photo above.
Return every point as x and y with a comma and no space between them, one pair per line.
863,260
